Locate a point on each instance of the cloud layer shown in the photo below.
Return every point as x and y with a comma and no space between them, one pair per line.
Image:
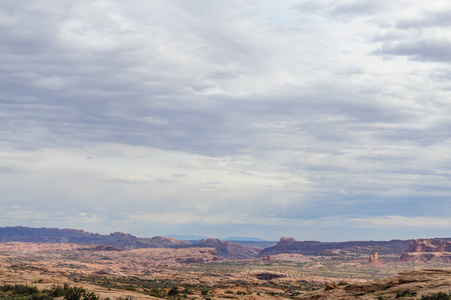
315,119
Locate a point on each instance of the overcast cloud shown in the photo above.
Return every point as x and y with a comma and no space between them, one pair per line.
326,120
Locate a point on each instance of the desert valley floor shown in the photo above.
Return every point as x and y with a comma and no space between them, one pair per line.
199,273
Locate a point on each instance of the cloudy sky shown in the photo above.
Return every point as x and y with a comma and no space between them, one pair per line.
325,120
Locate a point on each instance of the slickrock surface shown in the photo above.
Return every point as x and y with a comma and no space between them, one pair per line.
42,281
418,282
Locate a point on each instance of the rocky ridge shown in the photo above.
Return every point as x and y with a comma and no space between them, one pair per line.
118,240
228,249
290,245
54,235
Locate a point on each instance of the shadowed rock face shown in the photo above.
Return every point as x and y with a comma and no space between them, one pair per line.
418,282
427,249
101,248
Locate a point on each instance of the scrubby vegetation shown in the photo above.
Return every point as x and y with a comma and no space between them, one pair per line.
405,293
438,296
24,292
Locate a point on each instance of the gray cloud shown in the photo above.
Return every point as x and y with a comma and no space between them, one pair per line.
422,50
440,18
350,9
219,112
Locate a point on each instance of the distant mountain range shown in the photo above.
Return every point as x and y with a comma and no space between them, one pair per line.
119,240
290,245
239,249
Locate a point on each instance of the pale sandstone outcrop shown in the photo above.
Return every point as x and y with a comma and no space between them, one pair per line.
418,282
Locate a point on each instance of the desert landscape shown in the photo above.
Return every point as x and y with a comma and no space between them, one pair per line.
214,269
228,149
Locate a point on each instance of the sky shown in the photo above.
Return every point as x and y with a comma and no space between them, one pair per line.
319,120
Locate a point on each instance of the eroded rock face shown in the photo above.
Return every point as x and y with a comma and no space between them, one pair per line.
429,245
427,249
374,258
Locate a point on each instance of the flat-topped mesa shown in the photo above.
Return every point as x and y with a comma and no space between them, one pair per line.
292,246
427,249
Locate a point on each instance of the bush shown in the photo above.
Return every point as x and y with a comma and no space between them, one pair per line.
438,296
20,291
173,292
405,293
204,291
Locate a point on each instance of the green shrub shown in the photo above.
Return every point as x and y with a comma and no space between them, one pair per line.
405,293
438,296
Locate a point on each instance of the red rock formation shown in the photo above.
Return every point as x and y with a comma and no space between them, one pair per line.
427,249
374,258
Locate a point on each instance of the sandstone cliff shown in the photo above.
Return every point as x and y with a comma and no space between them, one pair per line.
427,249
